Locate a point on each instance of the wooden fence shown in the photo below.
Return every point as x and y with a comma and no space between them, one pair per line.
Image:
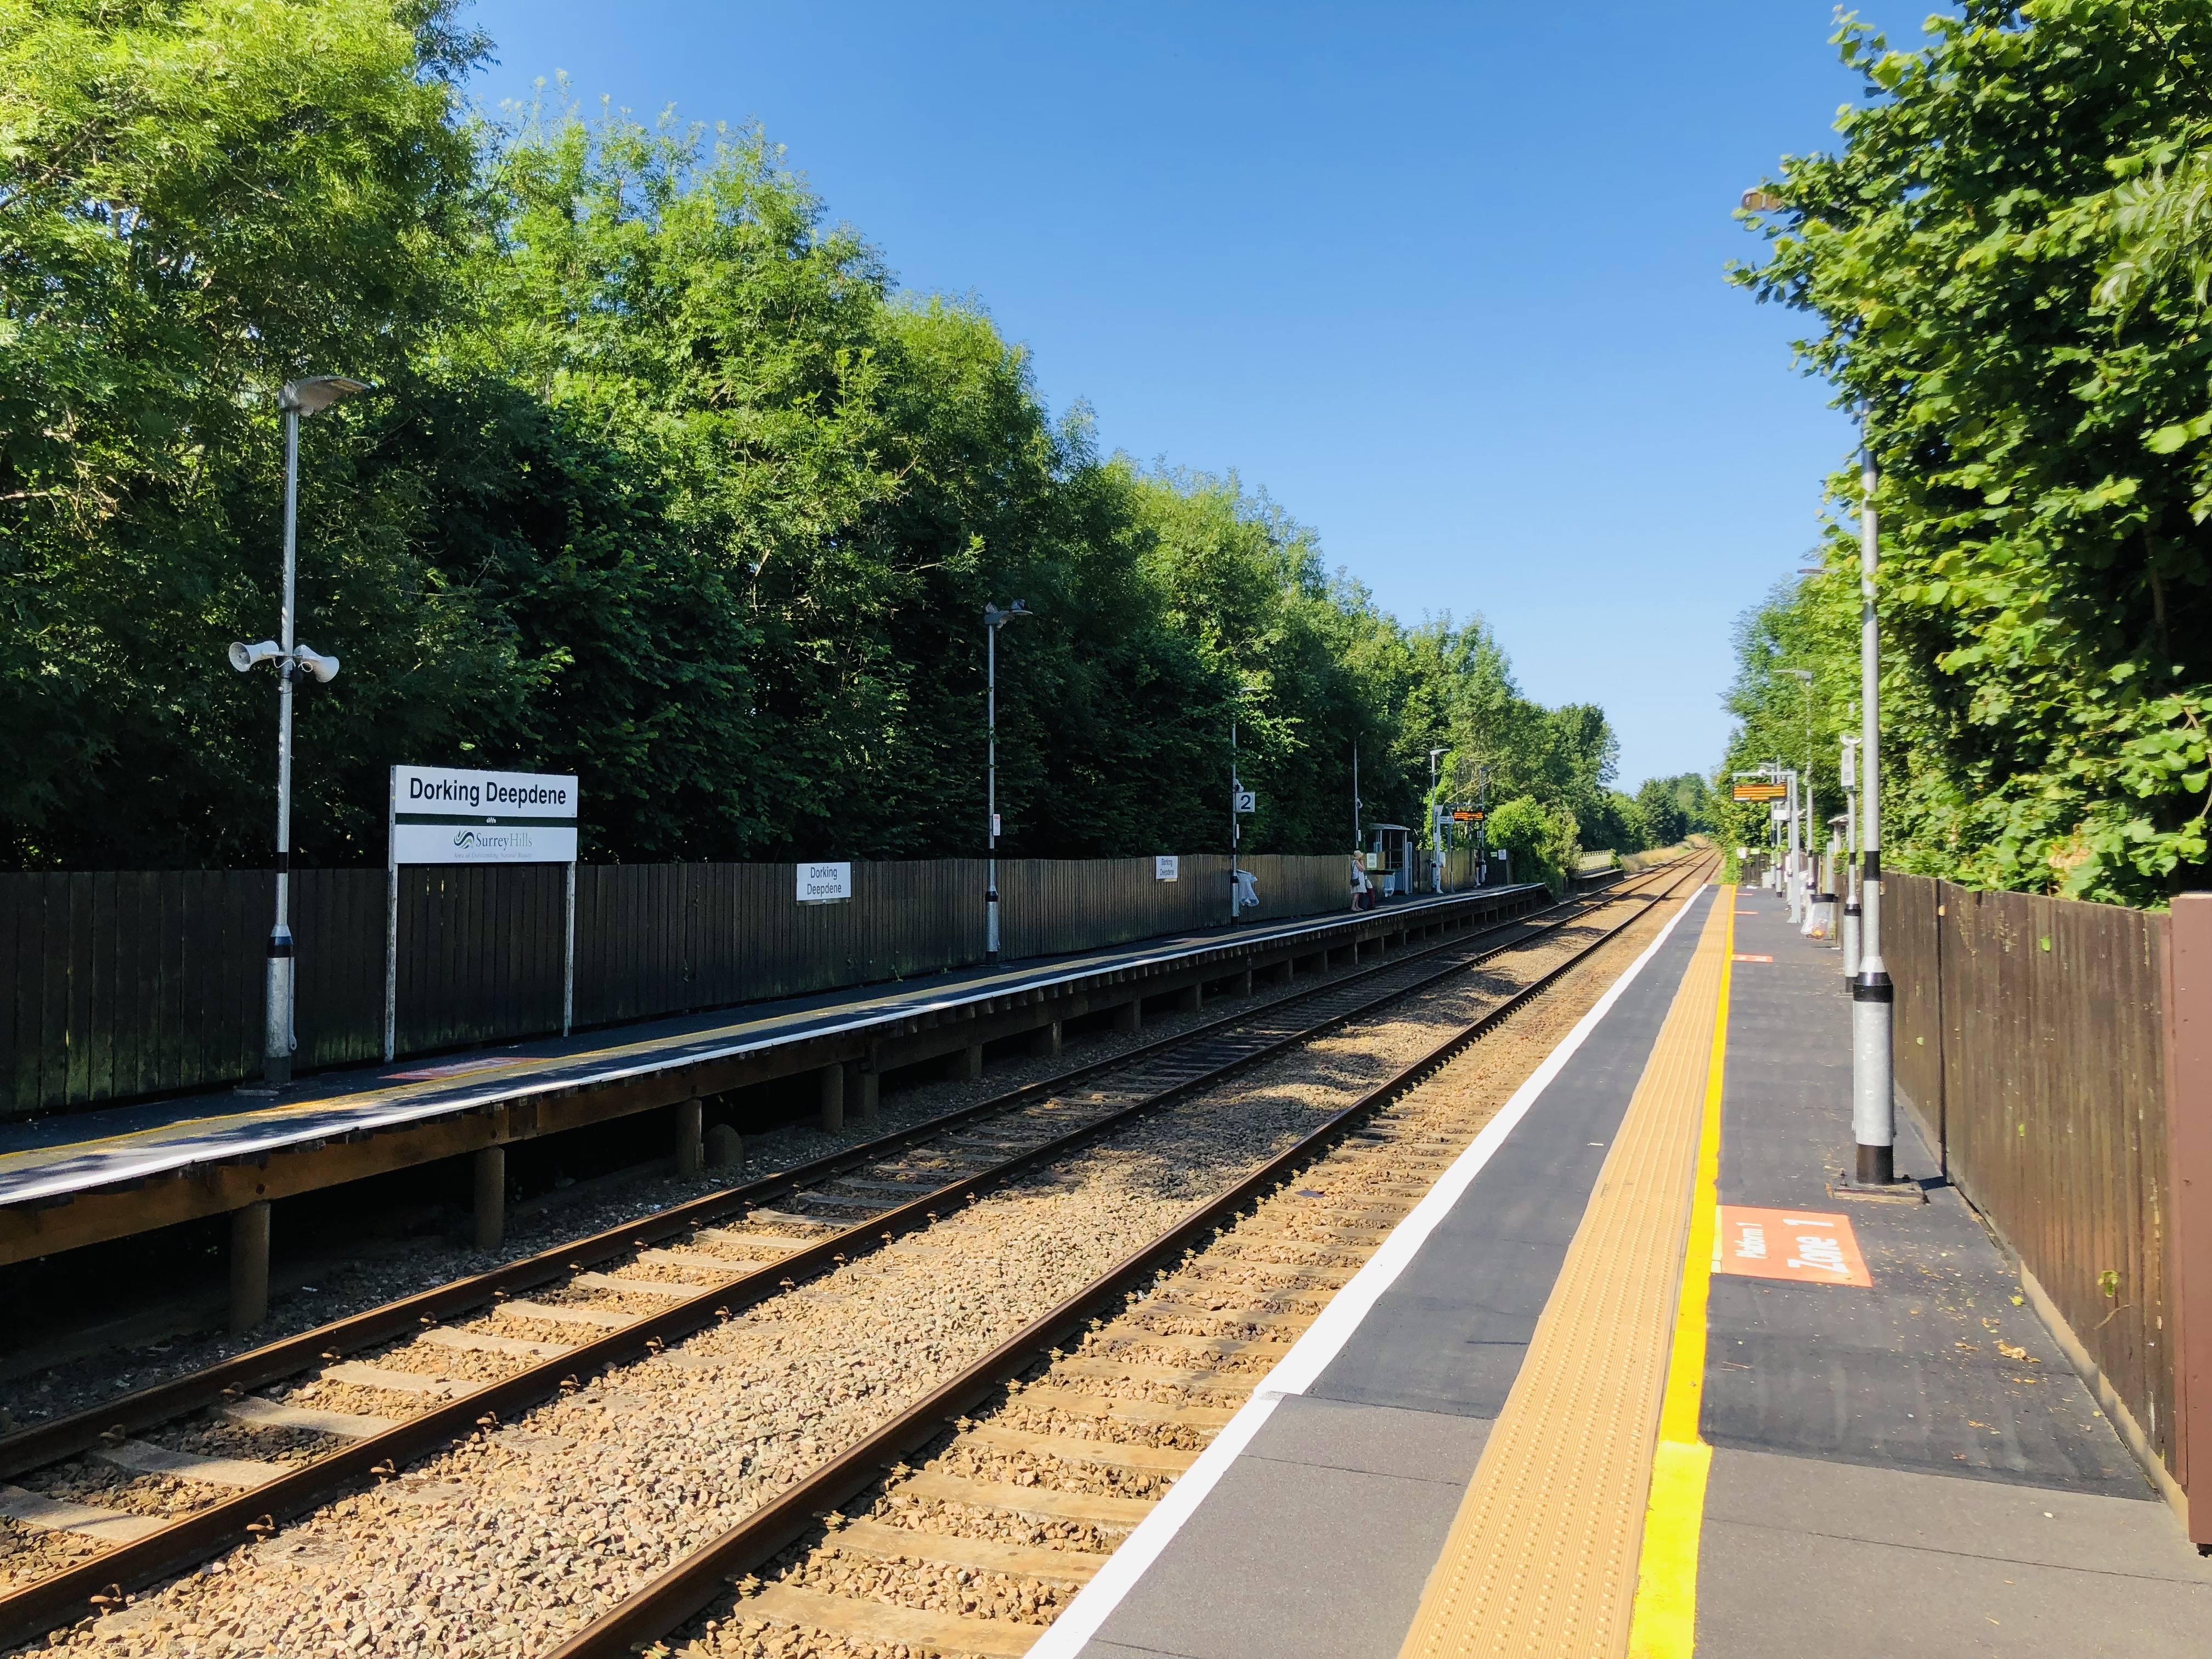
119,986
2031,1042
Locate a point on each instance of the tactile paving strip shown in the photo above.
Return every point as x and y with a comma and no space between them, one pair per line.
1541,1559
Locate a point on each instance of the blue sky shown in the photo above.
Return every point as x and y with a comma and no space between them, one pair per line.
1445,281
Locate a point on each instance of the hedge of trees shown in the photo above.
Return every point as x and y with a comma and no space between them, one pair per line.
2006,263
663,481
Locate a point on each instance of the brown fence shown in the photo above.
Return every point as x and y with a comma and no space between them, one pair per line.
117,986
2030,1041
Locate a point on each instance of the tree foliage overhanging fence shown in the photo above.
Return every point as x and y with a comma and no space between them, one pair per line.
2005,264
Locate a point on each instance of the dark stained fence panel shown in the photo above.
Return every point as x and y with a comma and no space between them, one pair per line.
2047,1018
119,986
480,950
1910,950
337,927
1304,884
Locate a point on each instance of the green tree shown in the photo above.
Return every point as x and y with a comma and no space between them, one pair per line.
1674,808
1542,839
1809,625
201,201
662,483
1997,259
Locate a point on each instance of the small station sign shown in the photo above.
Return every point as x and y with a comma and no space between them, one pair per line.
825,883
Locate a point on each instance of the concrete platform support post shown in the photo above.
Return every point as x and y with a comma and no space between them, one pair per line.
868,1085
831,1082
1044,1041
690,1137
725,1146
1192,999
1244,983
1129,1018
249,1266
490,1196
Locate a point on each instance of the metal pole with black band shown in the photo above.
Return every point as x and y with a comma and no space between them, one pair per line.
276,1045
993,620
294,661
1873,1106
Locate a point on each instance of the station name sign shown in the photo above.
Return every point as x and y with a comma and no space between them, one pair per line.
445,815
1759,792
825,883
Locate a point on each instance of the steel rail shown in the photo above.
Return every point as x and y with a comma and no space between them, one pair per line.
66,1436
32,1609
692,1583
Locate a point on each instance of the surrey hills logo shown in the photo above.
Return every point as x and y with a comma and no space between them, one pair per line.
510,841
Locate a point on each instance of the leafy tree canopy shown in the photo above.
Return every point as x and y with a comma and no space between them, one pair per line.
662,481
2005,262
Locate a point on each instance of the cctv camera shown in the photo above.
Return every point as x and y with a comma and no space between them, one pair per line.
325,669
244,656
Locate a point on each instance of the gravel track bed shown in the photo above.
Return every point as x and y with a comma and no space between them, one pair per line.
1245,1269
497,1546
373,1272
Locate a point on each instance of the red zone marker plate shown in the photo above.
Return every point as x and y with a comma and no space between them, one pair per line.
1741,957
422,1073
1800,1245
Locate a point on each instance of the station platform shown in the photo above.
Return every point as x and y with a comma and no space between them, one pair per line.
86,1177
1574,1409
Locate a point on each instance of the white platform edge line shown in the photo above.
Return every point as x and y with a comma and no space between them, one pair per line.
1294,1373
181,1154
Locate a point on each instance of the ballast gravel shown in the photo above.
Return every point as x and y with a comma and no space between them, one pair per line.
499,1546
1415,1137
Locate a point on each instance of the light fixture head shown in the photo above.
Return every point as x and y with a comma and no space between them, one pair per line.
317,392
1760,201
244,656
325,669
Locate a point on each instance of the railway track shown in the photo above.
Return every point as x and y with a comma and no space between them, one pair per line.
222,1458
975,1553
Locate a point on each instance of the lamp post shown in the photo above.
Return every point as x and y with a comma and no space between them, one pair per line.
1805,815
295,659
1849,770
993,620
1482,825
1874,1104
1236,799
1873,1100
1436,828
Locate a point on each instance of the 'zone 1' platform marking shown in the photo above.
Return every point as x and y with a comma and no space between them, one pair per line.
1812,1249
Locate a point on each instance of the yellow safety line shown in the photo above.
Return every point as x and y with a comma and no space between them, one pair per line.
1541,1559
1666,1621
